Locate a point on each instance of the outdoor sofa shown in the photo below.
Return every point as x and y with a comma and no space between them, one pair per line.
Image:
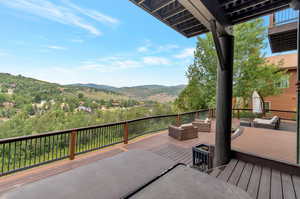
273,123
202,125
183,132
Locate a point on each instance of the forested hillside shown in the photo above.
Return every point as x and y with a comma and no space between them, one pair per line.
29,106
157,93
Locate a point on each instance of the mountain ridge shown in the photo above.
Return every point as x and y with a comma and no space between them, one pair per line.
154,92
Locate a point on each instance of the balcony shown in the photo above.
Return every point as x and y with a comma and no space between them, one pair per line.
260,156
283,30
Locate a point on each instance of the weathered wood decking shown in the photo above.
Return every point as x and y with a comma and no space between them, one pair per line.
259,181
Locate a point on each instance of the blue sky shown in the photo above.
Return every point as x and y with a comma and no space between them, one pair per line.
79,41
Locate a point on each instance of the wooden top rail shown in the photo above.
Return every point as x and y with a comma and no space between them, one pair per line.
52,133
271,110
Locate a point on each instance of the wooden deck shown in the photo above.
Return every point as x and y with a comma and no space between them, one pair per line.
260,182
269,143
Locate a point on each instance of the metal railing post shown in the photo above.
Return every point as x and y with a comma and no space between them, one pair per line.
72,146
126,133
197,115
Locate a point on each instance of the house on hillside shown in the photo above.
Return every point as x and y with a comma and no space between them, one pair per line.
64,106
83,108
13,85
41,105
8,105
10,91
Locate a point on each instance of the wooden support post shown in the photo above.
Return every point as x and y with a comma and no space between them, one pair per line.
126,133
72,145
238,113
272,20
224,103
178,123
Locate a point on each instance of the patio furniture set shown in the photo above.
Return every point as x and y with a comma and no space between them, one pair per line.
189,131
273,123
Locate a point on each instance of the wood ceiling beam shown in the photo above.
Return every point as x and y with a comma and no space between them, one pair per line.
190,27
243,6
175,13
142,1
258,12
163,6
185,20
206,11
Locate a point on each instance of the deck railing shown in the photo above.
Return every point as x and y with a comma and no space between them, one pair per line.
25,152
283,17
248,113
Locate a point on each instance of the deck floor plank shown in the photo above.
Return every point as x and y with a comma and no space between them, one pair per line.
187,159
216,172
265,181
235,176
276,185
245,176
296,182
287,187
182,156
226,173
254,182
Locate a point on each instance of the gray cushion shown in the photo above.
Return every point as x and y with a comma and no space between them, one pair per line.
187,126
108,178
185,182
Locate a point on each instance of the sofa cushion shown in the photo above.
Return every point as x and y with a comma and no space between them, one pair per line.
187,126
108,178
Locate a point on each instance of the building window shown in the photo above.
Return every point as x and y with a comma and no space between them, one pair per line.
267,106
284,82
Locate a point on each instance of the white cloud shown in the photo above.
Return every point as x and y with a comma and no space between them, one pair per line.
67,13
77,40
142,49
155,49
167,47
114,63
156,61
110,64
93,14
186,53
3,53
57,47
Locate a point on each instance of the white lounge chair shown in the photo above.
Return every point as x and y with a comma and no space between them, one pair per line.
273,123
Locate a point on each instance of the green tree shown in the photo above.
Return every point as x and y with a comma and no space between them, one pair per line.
29,109
80,95
2,99
251,71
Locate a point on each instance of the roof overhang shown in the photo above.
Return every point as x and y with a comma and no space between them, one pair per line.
194,17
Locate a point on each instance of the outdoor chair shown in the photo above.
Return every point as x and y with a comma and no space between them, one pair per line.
273,123
202,125
184,132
